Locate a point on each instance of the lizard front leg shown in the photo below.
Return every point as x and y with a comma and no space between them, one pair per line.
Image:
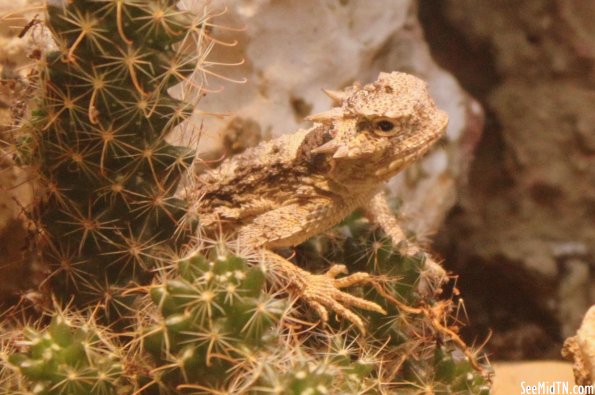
290,225
323,291
379,213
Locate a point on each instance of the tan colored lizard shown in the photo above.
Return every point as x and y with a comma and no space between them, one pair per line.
282,192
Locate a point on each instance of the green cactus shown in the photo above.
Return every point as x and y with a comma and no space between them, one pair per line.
303,370
213,315
69,356
216,325
97,137
211,323
420,349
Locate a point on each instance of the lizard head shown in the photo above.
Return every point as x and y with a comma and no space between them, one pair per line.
380,128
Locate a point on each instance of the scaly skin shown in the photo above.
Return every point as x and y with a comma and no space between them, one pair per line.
286,190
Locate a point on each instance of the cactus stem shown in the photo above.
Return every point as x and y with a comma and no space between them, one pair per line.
133,251
54,192
67,264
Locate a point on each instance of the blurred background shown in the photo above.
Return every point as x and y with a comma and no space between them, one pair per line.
521,235
507,200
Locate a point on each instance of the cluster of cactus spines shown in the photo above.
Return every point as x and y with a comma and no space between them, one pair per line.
215,314
314,374
97,136
202,311
418,336
71,355
211,324
214,325
9,377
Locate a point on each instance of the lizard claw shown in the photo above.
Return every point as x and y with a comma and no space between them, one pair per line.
322,292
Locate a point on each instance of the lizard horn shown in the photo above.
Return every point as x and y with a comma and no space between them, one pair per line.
326,116
342,152
336,96
327,148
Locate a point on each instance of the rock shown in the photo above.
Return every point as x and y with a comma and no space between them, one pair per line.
581,350
16,192
526,214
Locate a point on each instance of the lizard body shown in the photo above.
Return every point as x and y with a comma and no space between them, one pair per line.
284,191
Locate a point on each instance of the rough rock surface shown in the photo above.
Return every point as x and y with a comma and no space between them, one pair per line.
581,350
14,16
15,190
294,48
522,235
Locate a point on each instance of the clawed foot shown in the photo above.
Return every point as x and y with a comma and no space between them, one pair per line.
432,277
322,292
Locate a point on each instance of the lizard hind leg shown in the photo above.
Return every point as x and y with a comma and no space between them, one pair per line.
322,292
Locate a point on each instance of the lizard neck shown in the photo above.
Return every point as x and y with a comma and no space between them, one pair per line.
371,174
356,188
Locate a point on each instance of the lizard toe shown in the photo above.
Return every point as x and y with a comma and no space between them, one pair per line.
335,270
353,279
358,302
319,308
349,315
322,292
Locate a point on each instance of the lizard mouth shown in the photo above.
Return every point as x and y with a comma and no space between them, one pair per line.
420,146
439,128
433,133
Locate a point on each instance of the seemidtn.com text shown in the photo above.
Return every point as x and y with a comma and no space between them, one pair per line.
555,388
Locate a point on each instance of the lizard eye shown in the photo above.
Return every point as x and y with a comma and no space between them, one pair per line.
385,127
